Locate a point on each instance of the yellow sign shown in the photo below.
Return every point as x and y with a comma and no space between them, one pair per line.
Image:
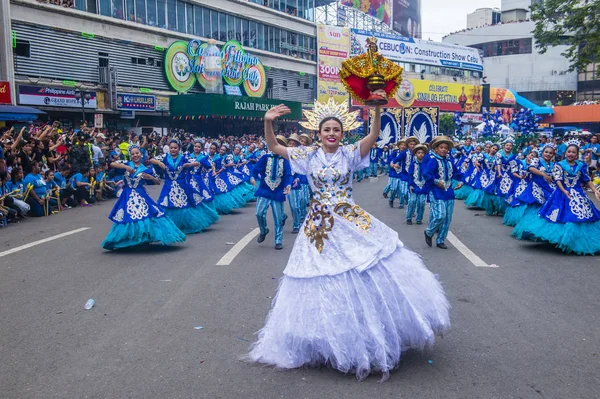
448,96
333,45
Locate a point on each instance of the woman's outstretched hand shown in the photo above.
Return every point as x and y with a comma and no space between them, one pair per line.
276,112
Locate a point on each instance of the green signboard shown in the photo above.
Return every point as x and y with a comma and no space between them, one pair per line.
198,105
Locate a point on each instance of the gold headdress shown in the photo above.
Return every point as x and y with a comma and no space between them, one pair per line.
331,109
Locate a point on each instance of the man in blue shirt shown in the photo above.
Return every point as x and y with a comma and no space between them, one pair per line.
274,175
439,173
592,149
374,156
561,148
37,195
80,183
417,186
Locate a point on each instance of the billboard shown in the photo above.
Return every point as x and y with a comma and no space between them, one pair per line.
136,102
52,97
380,9
417,51
448,97
406,17
333,44
5,93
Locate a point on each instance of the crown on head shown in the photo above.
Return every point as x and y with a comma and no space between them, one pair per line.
133,147
509,140
573,141
331,109
549,145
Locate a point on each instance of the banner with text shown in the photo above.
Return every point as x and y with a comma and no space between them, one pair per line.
418,51
52,97
333,45
447,96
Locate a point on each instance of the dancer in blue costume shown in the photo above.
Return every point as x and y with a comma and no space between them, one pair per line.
439,173
182,202
392,187
235,180
542,186
243,171
417,186
365,297
403,161
224,201
299,195
522,195
485,196
505,160
471,174
375,155
198,176
253,155
569,218
136,218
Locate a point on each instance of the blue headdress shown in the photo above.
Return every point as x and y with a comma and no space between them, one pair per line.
133,147
509,140
549,145
174,140
573,141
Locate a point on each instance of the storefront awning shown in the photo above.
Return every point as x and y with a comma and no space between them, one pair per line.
19,113
191,106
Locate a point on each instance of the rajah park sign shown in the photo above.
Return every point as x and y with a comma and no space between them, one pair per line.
185,65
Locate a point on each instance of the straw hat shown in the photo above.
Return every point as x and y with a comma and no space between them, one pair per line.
401,141
442,140
294,137
412,138
281,140
307,137
420,147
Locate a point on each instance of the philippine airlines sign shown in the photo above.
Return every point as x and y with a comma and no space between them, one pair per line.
418,51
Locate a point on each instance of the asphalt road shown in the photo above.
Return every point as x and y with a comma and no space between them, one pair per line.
526,329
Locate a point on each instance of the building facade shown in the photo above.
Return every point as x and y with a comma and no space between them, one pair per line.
110,47
483,17
511,61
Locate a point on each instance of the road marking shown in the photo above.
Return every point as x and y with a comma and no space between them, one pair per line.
33,244
470,255
237,248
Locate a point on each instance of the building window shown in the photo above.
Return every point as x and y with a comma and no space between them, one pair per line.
140,11
198,21
206,22
161,11
189,18
214,24
130,10
151,12
23,48
505,47
171,15
284,83
104,7
306,86
117,9
181,16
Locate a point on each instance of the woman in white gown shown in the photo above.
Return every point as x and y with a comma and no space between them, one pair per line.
352,296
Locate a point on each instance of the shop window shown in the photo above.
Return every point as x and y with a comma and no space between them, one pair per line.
23,48
118,10
161,13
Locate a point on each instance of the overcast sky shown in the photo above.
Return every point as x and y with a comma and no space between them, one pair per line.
440,17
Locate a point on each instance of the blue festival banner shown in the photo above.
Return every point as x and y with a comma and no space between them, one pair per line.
421,122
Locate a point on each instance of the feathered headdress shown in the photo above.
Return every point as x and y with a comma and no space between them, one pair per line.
133,147
331,109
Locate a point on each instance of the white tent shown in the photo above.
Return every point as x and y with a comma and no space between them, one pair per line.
504,130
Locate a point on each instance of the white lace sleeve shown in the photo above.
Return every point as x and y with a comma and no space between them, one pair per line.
355,161
557,173
300,158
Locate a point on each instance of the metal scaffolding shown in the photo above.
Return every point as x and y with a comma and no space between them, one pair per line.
334,13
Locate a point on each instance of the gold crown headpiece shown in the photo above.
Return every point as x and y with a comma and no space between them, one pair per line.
331,109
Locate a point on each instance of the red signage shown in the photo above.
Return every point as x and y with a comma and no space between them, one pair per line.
5,93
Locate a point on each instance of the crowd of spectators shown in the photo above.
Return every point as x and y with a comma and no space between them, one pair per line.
486,25
44,170
586,102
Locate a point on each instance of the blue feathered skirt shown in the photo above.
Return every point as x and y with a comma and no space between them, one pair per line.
463,192
577,238
193,219
159,230
224,203
514,214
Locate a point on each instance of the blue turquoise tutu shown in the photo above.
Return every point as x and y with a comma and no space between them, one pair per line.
479,199
160,230
224,203
248,191
513,215
192,220
463,192
577,238
237,194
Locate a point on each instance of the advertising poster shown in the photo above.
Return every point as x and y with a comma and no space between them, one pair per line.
5,93
455,97
333,45
417,51
406,17
380,9
136,102
52,97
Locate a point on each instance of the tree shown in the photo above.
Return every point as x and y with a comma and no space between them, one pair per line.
571,22
446,123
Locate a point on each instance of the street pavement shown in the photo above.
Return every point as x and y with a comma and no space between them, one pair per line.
528,328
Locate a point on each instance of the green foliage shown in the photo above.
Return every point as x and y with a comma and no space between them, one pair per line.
447,126
569,22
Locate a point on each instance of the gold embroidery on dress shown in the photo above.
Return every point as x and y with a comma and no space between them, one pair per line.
354,214
301,152
334,192
318,223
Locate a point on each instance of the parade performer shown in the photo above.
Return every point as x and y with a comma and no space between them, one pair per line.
524,193
136,218
181,202
417,185
505,161
365,297
471,174
395,165
374,157
439,172
238,188
393,178
569,218
242,170
224,201
485,197
274,175
198,176
299,194
403,161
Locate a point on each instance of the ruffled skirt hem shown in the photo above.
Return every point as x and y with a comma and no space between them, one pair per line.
193,219
463,192
513,215
357,322
152,230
